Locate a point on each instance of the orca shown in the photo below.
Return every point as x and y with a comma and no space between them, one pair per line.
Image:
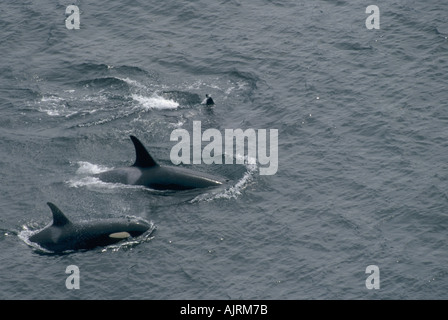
63,235
147,172
208,100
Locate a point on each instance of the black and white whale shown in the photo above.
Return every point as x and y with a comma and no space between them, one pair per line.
64,235
147,172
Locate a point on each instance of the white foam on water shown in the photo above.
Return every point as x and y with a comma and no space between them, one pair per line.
87,168
56,106
25,234
90,182
154,102
53,106
84,176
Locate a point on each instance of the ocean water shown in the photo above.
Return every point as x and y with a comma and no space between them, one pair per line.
362,121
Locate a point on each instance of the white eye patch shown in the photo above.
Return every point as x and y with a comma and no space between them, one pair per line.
119,235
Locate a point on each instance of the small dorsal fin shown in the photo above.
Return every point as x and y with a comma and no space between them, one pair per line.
59,219
143,158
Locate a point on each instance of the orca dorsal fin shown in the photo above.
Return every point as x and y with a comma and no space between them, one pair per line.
143,158
59,219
